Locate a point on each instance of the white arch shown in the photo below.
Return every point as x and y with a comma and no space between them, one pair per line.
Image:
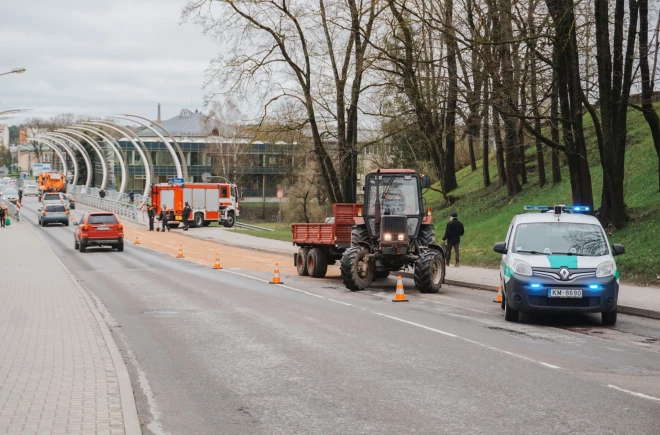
57,151
110,141
175,158
62,138
143,157
99,152
176,144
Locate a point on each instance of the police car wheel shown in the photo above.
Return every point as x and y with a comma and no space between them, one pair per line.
510,315
609,318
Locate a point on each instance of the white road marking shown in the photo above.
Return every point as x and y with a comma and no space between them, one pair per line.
634,393
339,302
416,324
549,365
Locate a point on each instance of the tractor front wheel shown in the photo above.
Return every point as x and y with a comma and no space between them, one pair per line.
429,271
356,274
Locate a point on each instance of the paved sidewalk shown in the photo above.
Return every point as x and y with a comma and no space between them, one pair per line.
60,370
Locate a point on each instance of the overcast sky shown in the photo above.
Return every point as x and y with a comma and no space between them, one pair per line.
99,58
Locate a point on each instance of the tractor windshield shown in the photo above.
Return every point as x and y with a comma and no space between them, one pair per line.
398,195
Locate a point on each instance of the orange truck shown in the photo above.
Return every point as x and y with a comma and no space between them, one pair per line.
209,202
322,244
52,182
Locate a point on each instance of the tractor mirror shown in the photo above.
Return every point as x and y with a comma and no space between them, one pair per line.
426,181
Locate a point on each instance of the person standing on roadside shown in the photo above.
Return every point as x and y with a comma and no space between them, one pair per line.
453,233
102,193
164,219
131,197
3,215
151,214
185,215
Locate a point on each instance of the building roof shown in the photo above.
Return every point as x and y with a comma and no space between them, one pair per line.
187,123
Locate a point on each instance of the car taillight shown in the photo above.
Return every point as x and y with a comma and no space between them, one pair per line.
120,226
44,213
83,227
67,212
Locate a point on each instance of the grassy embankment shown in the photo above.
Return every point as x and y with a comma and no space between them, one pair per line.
487,212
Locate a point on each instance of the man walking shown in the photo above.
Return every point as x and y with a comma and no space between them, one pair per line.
185,215
131,197
151,214
102,193
453,233
3,214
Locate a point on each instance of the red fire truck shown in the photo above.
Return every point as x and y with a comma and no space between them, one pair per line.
209,202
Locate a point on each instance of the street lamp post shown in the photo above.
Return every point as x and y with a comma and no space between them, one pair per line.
14,71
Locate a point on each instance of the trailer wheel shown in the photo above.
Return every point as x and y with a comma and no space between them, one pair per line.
198,220
317,265
429,271
301,261
231,220
355,273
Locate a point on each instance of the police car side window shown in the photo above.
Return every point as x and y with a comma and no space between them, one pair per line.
508,236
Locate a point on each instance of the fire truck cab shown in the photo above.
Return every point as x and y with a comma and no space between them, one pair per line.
209,202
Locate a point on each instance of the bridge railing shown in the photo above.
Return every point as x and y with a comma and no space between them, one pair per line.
113,202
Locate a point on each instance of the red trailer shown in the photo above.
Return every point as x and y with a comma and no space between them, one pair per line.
323,243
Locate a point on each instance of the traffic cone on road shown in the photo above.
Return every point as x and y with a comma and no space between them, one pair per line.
498,298
217,261
71,218
137,239
180,254
276,275
400,296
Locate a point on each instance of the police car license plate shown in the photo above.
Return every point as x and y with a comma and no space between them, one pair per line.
564,293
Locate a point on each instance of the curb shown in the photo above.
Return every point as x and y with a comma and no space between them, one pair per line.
127,399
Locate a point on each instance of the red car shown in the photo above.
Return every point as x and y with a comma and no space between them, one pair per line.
99,229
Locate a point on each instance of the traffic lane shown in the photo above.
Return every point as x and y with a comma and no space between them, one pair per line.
281,354
603,361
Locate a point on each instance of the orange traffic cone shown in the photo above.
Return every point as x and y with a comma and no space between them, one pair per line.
217,261
71,218
400,296
137,239
276,275
498,298
180,254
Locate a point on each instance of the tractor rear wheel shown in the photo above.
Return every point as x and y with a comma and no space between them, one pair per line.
427,235
356,274
429,271
317,264
301,261
359,234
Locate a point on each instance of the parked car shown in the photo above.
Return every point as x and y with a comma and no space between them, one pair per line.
10,195
99,229
53,214
30,190
70,201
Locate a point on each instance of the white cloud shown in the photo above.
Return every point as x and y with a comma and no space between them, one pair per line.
98,58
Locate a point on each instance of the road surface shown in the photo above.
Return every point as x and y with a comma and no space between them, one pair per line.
224,352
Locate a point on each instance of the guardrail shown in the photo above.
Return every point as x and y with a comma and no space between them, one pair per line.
126,210
251,227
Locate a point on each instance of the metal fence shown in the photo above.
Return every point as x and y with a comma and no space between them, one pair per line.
113,201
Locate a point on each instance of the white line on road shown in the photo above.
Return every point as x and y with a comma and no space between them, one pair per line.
634,393
416,324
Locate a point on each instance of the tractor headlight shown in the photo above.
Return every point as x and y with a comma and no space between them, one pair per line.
605,269
401,237
387,237
522,268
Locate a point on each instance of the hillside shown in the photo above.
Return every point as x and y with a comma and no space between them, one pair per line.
486,213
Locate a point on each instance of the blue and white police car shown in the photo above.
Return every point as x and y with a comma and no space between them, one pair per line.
558,260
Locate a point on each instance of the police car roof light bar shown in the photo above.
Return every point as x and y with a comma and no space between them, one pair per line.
558,209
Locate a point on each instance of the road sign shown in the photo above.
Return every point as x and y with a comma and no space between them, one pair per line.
177,180
280,194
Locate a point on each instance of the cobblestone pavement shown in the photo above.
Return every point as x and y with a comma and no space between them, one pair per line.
57,372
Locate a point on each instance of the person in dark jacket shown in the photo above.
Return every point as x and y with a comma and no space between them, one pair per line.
131,197
453,233
185,216
164,218
151,213
102,193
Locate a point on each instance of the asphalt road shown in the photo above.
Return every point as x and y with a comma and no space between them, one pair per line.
224,352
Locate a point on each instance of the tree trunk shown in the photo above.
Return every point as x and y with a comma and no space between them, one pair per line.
499,148
554,131
649,112
540,162
484,137
450,182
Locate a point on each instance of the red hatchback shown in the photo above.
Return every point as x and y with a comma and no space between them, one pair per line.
99,229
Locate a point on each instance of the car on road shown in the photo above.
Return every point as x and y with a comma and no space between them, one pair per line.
99,229
10,195
53,214
69,200
30,190
52,198
558,260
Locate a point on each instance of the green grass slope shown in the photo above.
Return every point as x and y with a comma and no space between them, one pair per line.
487,212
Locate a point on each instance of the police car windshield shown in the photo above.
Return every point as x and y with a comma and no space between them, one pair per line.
398,195
560,238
